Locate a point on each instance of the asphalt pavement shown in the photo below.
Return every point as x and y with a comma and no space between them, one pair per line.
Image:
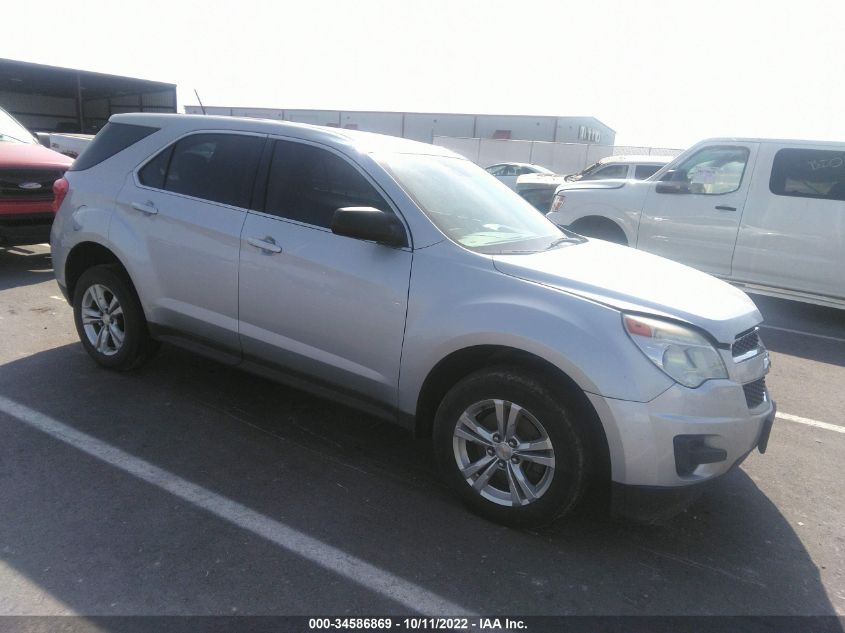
188,487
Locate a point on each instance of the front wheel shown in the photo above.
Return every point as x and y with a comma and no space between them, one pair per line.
109,319
511,448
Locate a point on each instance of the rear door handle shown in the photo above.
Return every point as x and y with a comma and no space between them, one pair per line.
724,207
265,244
147,208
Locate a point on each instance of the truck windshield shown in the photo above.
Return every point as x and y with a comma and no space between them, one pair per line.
470,206
12,131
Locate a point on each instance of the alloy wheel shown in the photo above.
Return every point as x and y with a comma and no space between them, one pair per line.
102,320
503,452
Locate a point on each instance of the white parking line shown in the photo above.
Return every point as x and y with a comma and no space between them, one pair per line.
331,558
802,333
819,425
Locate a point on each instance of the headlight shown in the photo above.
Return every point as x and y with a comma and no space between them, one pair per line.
682,353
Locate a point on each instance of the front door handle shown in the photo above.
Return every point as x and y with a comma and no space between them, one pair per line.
724,207
266,244
148,208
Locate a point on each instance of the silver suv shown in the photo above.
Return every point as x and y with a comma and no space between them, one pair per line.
400,278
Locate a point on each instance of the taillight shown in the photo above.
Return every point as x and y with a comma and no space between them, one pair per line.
60,189
558,201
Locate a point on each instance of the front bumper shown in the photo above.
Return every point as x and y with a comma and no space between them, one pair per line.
654,504
641,435
25,228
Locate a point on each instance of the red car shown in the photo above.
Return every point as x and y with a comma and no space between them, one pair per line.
27,173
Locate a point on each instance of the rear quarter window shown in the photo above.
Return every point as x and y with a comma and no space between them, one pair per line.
808,173
113,138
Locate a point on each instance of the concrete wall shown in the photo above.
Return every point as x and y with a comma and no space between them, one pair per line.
425,126
520,128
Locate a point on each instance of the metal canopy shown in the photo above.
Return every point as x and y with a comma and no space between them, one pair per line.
114,93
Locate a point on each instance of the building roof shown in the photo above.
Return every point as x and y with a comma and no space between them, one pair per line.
55,81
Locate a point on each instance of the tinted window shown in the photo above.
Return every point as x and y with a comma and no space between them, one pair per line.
644,171
611,171
217,167
113,138
309,184
809,173
495,170
154,173
713,170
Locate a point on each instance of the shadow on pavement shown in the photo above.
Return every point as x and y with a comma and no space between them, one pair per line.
803,330
24,266
102,542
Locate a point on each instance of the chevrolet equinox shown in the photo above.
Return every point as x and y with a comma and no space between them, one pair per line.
402,279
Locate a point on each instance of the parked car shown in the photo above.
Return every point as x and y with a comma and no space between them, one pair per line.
402,279
509,172
27,174
624,167
539,189
767,215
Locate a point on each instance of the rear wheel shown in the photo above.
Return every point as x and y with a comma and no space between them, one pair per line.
509,446
109,319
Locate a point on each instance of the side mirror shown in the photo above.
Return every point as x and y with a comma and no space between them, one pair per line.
368,223
672,187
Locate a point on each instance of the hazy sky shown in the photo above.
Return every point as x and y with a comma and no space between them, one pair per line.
660,73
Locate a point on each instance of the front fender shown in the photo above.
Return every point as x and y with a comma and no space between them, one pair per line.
582,338
622,206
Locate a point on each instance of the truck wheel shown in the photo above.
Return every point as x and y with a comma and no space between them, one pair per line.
600,229
109,319
510,448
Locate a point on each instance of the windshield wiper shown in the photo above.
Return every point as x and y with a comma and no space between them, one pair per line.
565,240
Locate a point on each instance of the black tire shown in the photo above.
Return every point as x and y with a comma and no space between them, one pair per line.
601,229
570,442
137,346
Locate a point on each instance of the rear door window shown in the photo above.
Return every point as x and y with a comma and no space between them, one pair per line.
216,167
808,173
154,173
309,184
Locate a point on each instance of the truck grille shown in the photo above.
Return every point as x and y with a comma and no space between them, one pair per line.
745,343
28,184
755,393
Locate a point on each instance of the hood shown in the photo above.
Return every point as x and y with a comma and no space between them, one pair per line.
631,280
17,155
594,184
541,180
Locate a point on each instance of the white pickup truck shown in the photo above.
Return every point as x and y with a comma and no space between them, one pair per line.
767,215
67,144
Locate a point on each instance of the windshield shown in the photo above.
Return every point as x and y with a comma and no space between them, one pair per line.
470,206
12,131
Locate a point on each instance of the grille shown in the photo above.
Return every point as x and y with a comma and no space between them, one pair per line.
12,179
755,393
745,343
29,219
